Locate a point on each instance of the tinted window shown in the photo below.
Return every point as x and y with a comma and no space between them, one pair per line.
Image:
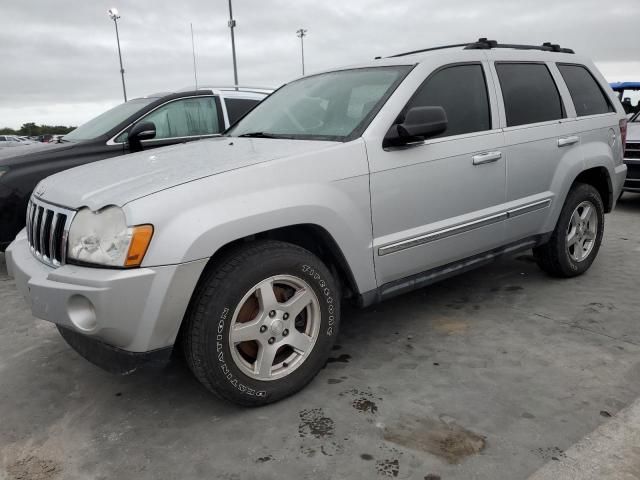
237,107
462,91
529,92
586,94
186,118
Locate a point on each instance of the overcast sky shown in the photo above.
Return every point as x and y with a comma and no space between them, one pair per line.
60,65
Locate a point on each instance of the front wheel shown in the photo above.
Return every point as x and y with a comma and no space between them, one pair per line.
575,241
262,323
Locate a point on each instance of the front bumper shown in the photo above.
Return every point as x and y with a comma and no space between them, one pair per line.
137,310
632,182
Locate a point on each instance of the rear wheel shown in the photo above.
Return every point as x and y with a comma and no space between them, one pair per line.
575,242
262,323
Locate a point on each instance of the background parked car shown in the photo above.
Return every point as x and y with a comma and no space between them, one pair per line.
10,141
632,155
629,95
46,138
153,121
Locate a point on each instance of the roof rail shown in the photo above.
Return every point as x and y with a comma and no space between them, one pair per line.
229,88
441,47
242,87
484,44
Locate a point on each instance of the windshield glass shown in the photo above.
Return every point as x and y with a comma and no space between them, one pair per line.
328,106
106,121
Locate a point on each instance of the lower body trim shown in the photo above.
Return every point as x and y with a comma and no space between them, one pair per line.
419,280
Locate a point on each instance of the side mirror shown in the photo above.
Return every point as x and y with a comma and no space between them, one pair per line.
419,123
141,131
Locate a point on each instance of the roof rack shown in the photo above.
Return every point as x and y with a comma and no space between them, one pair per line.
484,44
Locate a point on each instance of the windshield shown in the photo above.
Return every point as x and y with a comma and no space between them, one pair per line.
106,121
328,106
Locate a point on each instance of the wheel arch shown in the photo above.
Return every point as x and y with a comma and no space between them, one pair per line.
309,236
599,178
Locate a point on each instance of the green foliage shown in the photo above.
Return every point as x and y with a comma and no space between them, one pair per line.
31,128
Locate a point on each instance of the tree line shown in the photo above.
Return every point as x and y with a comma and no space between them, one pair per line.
31,129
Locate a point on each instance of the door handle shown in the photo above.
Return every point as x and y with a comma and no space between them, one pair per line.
563,142
488,157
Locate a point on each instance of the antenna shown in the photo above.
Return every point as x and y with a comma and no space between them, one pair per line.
193,49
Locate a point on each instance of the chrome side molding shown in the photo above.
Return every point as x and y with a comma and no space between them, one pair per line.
462,228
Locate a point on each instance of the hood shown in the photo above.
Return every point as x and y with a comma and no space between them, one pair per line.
119,180
633,132
28,153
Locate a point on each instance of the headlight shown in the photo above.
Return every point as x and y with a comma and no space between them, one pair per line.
103,238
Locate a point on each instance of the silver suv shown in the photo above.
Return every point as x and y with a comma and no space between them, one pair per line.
359,183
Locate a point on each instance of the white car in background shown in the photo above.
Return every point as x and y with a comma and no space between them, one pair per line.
10,141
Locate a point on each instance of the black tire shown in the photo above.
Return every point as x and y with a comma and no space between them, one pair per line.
205,336
553,257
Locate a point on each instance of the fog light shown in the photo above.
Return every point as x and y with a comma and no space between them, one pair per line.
82,313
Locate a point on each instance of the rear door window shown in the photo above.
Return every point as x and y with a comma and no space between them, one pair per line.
587,96
529,92
237,107
461,90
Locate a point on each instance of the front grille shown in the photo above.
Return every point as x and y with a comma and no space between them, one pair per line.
47,229
632,150
633,172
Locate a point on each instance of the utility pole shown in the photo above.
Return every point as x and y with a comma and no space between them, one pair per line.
301,33
113,14
232,25
193,49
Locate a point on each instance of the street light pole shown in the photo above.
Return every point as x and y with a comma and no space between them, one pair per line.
193,49
113,14
232,25
301,33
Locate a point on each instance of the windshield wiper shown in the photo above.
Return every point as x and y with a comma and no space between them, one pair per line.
258,135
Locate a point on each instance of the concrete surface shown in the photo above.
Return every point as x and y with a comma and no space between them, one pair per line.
612,451
490,375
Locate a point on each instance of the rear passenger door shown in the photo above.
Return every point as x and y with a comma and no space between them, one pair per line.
537,133
595,115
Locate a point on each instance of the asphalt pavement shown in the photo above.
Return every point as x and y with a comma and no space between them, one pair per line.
501,373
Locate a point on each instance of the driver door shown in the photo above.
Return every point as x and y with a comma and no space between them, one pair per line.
441,200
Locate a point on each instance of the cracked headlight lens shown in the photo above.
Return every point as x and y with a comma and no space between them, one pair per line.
104,238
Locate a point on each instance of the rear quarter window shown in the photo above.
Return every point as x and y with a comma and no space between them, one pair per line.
586,94
237,107
529,92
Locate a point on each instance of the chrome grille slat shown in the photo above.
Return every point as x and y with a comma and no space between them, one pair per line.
47,231
52,236
632,150
38,242
33,223
29,206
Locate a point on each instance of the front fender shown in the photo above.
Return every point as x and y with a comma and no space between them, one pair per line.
196,219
